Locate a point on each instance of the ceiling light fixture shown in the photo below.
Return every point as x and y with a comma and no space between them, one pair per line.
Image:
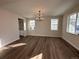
38,16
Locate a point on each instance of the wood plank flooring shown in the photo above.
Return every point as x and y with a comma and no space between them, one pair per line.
33,47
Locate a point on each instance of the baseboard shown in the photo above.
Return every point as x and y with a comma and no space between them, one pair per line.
44,36
73,49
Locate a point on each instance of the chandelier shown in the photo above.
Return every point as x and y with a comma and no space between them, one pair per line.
38,16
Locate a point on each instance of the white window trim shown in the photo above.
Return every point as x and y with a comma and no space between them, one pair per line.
68,23
57,24
29,27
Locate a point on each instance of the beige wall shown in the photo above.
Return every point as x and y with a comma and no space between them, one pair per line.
71,38
8,27
43,28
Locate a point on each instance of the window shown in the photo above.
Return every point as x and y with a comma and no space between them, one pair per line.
77,27
24,25
32,25
54,24
73,23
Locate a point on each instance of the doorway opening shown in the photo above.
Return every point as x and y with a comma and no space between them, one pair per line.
21,27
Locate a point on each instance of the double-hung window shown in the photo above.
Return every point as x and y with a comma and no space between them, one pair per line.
77,24
54,24
32,25
73,23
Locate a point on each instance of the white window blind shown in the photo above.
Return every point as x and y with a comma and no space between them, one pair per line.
73,23
32,25
54,24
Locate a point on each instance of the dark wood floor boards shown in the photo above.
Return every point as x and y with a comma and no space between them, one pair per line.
53,51
50,48
15,51
27,51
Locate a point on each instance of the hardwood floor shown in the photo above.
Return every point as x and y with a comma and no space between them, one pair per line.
33,47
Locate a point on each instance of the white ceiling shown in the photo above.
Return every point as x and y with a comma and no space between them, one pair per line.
26,7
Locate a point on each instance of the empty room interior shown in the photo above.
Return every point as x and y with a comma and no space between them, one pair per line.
39,29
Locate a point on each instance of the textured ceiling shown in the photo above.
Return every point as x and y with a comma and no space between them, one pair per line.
27,7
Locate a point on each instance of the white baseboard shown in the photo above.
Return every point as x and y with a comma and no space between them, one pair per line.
72,44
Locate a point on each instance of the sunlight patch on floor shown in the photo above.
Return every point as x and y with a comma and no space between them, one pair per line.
37,56
4,48
11,46
17,45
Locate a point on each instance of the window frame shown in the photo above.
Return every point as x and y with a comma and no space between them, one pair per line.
31,26
68,20
57,24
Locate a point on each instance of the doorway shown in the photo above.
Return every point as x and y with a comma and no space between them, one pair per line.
21,27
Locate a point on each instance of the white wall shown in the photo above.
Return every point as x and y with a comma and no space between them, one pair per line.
8,27
72,39
43,28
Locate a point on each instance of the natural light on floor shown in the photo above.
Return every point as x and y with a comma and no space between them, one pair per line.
17,45
12,46
4,48
37,56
